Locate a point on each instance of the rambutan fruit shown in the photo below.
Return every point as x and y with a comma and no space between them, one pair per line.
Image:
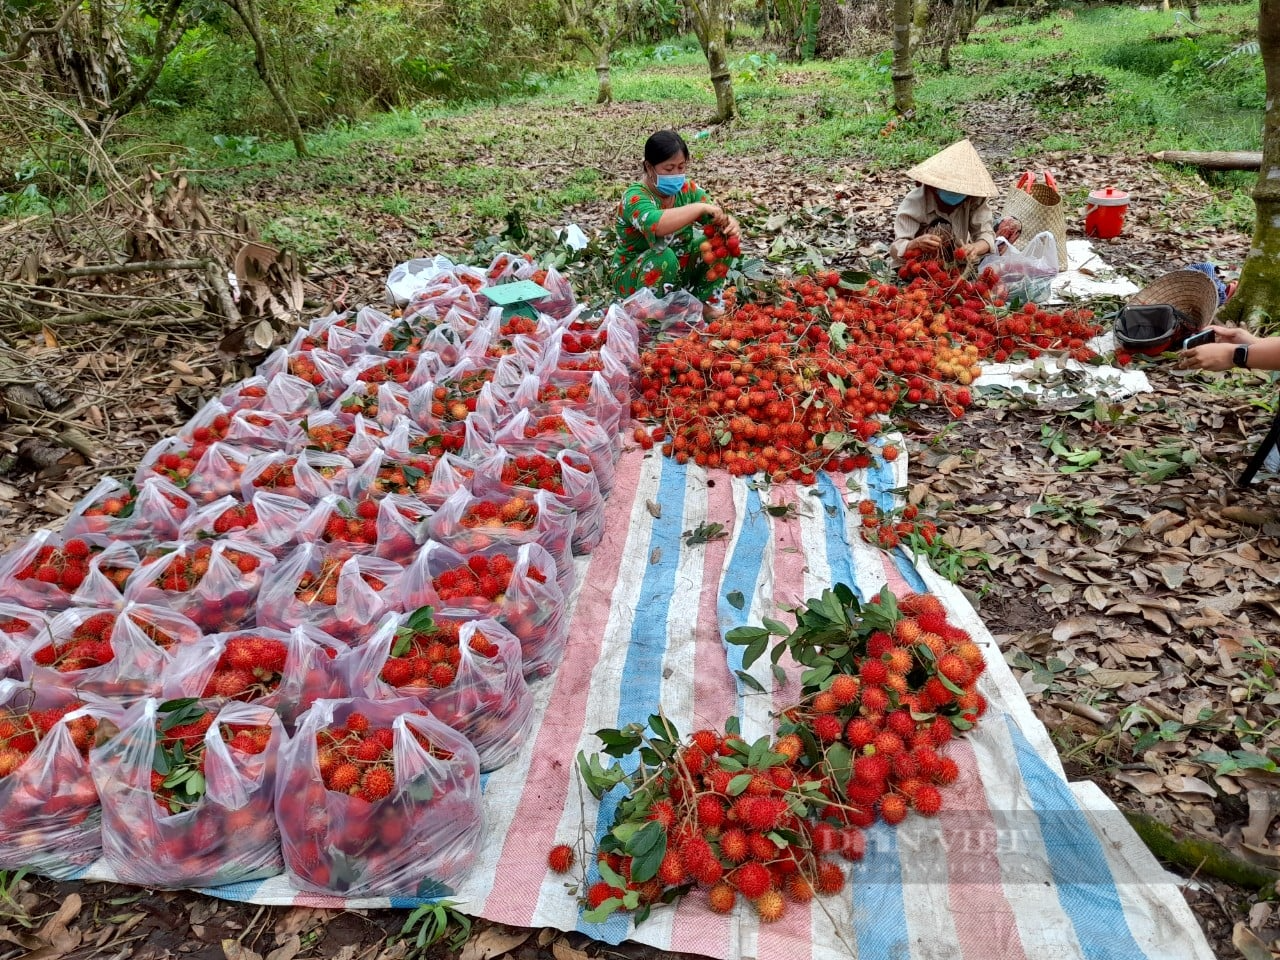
710,812
672,870
752,880
827,727
733,845
790,746
798,889
844,687
927,801
345,776
721,897
946,772
874,700
560,858
708,873
824,837
825,702
893,809
830,877
954,669
762,848
377,782
664,813
859,732
599,892
770,906
887,743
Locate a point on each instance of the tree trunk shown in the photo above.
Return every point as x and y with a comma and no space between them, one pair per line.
708,18
919,22
605,93
247,11
1193,10
903,78
1259,290
170,31
1212,159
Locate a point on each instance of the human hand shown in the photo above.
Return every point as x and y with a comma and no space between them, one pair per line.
1232,335
973,251
928,243
1210,356
1010,228
730,227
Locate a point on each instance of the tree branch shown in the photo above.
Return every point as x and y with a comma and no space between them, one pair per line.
167,38
24,41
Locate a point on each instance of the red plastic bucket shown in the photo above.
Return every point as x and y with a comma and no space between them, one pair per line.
1104,216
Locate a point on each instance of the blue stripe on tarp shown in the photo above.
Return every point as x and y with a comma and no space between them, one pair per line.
879,913
880,486
242,892
642,671
742,574
835,519
1085,886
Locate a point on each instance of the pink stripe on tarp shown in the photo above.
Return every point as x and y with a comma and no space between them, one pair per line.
791,938
319,901
897,584
514,897
969,837
696,929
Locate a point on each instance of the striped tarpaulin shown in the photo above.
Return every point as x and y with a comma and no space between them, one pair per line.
1018,864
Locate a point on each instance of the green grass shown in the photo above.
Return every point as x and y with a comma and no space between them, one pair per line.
1096,79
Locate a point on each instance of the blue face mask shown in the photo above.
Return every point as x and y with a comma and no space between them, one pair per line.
951,199
669,184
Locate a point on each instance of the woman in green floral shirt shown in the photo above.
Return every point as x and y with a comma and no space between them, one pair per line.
658,226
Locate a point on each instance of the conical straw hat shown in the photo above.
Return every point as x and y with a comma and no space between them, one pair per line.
957,168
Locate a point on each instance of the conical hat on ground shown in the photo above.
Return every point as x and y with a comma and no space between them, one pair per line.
957,168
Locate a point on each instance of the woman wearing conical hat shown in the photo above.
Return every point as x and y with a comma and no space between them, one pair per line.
948,215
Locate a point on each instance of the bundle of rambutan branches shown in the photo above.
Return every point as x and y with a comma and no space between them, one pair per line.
886,686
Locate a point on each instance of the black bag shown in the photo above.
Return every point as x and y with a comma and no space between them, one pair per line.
1152,327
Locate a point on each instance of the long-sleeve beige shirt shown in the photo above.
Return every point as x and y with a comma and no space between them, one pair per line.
970,222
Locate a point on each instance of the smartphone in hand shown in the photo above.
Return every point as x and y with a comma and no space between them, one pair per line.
1196,339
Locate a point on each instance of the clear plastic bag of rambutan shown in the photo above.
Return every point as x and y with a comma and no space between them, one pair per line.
308,475
254,429
270,521
215,583
345,596
345,525
378,798
339,333
380,403
116,652
551,391
495,337
469,522
286,671
49,817
527,433
353,435
611,363
19,626
467,672
562,302
406,370
153,511
517,588
522,468
51,572
188,791
445,301
319,368
429,477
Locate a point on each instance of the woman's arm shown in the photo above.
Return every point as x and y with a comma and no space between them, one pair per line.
907,223
1264,352
677,218
982,235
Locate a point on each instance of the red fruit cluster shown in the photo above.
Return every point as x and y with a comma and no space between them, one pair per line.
322,586
393,370
402,338
185,571
480,576
889,530
535,471
241,516
64,567
412,476
181,753
14,625
428,655
718,252
88,646
330,437
302,366
120,505
583,342
177,466
22,730
452,402
364,403
516,513
574,394
250,667
356,758
358,526
800,383
321,341
517,326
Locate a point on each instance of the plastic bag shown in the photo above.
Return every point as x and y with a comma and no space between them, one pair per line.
431,479
284,671
567,475
526,433
338,333
18,628
677,313
254,429
104,652
505,267
320,368
216,475
291,397
355,526
405,370
48,572
188,794
214,583
441,343
1025,272
410,277
468,673
561,302
557,391
351,436
271,521
414,824
49,816
516,588
406,439
343,596
382,403
402,527
468,523
154,511
307,475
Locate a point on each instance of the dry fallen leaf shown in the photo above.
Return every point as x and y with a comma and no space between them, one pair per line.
493,942
234,950
561,950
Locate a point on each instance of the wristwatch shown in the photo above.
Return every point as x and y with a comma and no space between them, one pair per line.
1240,357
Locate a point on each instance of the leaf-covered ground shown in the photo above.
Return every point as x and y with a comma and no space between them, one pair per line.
1136,597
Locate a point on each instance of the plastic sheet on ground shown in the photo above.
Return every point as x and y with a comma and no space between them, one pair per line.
1020,863
1088,275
